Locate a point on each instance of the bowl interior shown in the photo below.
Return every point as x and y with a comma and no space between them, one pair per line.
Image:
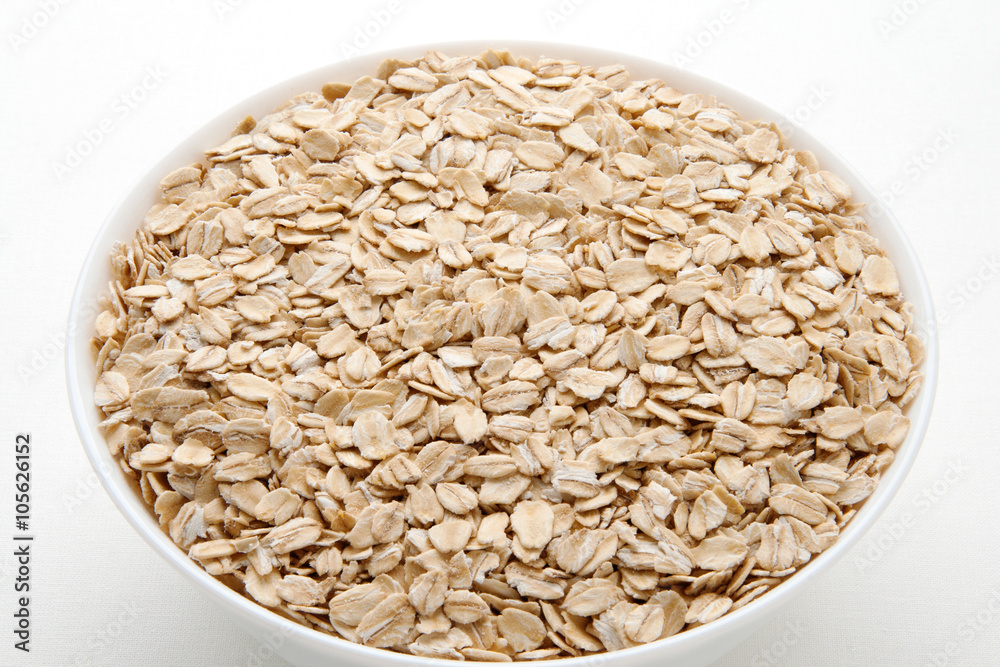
130,210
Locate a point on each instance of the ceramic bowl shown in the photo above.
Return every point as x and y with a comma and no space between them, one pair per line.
306,647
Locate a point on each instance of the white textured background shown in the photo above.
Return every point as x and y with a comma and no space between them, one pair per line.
905,90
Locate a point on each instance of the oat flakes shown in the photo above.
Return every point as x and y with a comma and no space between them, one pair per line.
484,358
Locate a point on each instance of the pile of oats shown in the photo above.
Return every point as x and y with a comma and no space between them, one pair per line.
491,359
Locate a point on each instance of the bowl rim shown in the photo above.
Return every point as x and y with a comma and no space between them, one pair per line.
142,521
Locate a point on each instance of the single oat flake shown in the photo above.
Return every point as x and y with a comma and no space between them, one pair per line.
485,358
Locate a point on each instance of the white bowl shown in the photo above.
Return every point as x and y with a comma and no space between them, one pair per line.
305,647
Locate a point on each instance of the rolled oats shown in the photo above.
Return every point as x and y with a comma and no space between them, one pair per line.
494,359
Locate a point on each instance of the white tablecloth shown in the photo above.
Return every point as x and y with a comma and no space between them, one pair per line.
906,90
